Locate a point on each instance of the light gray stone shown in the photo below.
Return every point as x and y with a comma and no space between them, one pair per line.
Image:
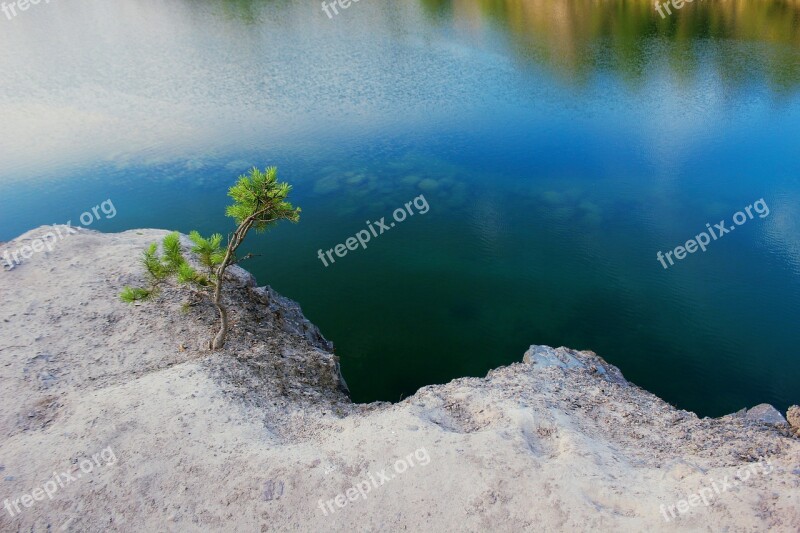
546,356
765,413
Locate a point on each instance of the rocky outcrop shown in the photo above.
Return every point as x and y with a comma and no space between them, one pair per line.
793,416
766,414
261,436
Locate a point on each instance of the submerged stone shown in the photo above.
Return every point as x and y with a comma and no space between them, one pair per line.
428,184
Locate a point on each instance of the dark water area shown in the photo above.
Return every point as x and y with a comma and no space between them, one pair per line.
559,146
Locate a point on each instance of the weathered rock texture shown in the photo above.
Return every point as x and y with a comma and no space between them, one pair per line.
793,416
259,436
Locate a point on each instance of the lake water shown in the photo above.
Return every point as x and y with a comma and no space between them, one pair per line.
559,145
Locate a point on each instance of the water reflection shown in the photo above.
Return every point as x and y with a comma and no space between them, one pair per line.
560,144
577,38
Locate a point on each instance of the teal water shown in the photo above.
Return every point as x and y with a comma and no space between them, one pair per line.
559,145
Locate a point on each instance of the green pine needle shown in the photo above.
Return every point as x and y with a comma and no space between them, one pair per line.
155,268
134,294
173,257
208,250
261,194
187,274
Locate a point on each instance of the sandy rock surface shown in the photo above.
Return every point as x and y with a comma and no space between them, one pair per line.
117,418
793,417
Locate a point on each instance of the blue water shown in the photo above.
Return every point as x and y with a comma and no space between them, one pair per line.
557,154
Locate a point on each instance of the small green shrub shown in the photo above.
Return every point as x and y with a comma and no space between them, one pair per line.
259,202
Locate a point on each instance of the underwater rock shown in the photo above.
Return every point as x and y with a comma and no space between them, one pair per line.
428,184
327,185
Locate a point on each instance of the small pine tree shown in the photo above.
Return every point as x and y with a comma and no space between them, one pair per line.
259,202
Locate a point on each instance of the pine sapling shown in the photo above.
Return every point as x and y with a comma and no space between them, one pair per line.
259,201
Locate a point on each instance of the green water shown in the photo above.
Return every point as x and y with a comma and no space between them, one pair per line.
558,145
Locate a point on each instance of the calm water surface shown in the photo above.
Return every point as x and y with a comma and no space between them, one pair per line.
559,144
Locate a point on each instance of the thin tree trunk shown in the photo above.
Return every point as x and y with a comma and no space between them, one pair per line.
219,339
234,242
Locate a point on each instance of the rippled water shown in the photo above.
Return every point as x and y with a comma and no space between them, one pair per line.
559,144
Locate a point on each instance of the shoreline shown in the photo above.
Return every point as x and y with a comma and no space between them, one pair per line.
258,433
